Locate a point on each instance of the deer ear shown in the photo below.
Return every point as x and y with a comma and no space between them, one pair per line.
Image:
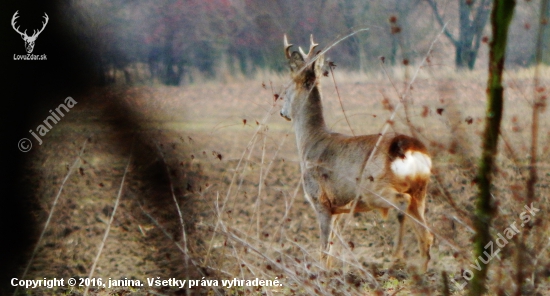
296,61
318,65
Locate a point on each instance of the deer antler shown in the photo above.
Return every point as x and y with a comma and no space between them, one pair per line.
287,47
15,16
35,34
311,52
43,25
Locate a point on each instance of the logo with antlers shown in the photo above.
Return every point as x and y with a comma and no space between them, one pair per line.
29,40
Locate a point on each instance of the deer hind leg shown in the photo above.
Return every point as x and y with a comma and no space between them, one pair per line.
402,201
398,252
423,235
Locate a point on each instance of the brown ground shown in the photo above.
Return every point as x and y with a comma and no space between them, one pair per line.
219,143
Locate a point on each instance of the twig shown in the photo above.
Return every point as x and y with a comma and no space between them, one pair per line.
184,234
249,148
450,200
181,248
263,176
108,229
539,105
543,250
332,65
355,262
73,166
287,208
261,254
260,186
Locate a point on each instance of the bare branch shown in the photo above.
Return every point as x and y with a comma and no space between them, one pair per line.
441,22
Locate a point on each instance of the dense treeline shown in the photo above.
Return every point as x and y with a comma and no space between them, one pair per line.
171,40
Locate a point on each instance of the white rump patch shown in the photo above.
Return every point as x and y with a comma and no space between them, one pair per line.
414,163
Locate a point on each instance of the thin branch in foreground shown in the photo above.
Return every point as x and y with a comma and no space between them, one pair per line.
249,147
447,195
260,186
181,248
54,205
172,192
108,229
331,66
539,105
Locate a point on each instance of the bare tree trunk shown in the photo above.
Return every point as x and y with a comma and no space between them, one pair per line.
471,24
501,17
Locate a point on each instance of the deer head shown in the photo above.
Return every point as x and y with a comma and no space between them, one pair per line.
305,70
29,40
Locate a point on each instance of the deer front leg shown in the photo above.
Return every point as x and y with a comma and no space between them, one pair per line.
324,216
326,222
322,207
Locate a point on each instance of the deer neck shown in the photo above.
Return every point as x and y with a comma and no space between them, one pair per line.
309,123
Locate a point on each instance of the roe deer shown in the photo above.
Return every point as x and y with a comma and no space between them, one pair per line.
338,169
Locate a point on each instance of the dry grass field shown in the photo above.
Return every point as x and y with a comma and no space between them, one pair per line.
212,190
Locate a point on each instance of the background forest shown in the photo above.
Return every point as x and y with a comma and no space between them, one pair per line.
174,41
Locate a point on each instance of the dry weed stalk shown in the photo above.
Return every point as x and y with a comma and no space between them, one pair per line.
331,66
249,148
182,223
111,219
538,106
262,178
183,249
76,162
